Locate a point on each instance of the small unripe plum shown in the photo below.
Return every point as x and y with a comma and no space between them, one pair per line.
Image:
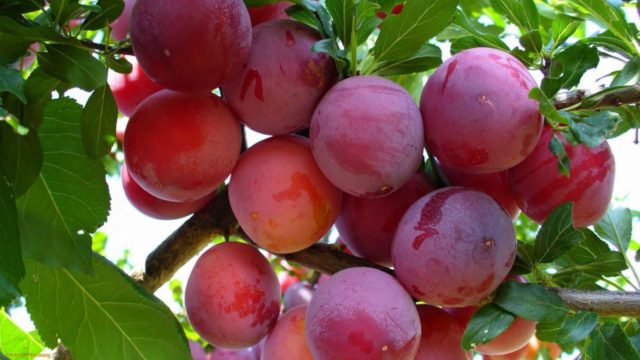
155,207
367,226
280,197
180,147
366,136
191,46
282,81
477,114
441,336
538,186
287,339
495,185
232,296
120,26
129,90
453,247
260,14
362,313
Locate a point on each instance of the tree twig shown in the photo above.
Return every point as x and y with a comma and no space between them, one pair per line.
126,50
623,96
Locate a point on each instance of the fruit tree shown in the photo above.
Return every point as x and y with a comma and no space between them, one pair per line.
435,180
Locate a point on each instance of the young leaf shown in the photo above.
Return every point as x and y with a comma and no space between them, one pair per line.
106,314
562,27
522,13
404,34
530,301
21,157
557,148
99,122
69,199
11,266
487,322
109,11
615,228
428,57
608,341
14,340
595,129
569,330
11,81
557,235
73,65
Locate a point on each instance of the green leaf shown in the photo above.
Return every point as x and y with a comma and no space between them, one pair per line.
38,87
106,314
546,107
404,34
11,265
64,10
99,122
16,38
569,330
615,228
21,157
342,14
557,148
522,13
11,81
330,47
73,65
630,73
120,65
487,322
413,83
366,20
462,23
99,242
69,199
428,57
609,342
557,235
109,11
610,41
612,18
530,301
14,340
8,291
568,66
562,27
303,15
532,41
595,129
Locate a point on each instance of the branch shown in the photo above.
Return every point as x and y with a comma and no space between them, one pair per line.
127,50
217,219
623,96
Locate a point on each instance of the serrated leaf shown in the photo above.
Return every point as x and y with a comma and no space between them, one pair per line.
595,129
530,301
14,340
106,314
73,65
615,228
109,10
557,148
99,122
428,57
404,34
11,81
522,13
557,235
21,157
569,330
630,73
562,27
69,199
609,342
568,66
486,323
11,265
342,14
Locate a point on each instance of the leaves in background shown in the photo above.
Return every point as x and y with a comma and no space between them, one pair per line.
99,122
569,330
562,27
522,13
609,16
69,199
38,87
629,75
14,340
615,228
608,341
73,65
487,322
11,81
16,38
109,11
106,314
11,266
428,57
21,157
530,301
593,130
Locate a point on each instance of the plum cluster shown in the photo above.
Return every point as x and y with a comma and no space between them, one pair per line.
359,168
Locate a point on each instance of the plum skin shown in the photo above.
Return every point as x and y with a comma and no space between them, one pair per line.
538,186
264,13
278,88
441,335
199,54
179,147
367,226
129,90
362,313
477,114
280,197
232,296
366,135
287,339
453,247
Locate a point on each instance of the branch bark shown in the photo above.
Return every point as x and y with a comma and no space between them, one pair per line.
623,96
